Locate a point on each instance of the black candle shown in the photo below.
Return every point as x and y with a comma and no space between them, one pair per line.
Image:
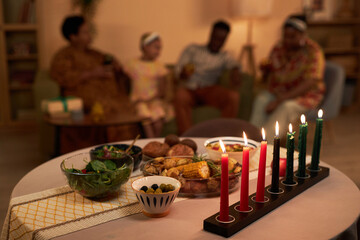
290,145
317,142
276,159
302,147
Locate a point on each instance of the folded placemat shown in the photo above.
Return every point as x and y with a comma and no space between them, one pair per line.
59,211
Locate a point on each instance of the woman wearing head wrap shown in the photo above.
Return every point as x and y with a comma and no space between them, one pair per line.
294,73
148,84
87,73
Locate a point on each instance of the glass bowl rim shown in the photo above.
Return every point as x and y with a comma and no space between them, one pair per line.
62,165
104,145
177,189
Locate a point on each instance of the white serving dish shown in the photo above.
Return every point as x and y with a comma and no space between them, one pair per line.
216,154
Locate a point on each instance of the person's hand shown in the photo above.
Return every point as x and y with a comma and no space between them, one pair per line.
187,71
102,72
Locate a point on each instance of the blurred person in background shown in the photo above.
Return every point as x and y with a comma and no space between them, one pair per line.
198,70
294,75
148,84
96,78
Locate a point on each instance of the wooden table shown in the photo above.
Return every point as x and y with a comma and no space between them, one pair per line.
88,122
325,211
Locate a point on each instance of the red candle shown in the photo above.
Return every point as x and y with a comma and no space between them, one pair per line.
244,191
261,172
224,195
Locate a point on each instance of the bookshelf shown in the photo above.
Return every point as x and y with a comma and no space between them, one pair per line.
340,39
19,61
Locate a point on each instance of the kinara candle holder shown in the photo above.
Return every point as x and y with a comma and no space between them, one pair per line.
260,209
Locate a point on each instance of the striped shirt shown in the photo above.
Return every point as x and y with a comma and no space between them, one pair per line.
208,66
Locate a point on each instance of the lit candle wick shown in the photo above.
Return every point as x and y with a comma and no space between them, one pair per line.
263,134
320,113
222,146
245,139
277,128
290,128
302,119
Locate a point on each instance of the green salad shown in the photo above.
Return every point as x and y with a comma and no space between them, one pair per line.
109,152
98,178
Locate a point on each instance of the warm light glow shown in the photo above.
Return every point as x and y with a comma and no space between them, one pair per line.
302,118
263,133
277,128
251,8
320,113
222,146
245,139
290,128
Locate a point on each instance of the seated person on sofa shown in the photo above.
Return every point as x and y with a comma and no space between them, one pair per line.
294,73
80,72
198,71
148,84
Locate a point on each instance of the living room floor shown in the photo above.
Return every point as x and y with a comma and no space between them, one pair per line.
19,153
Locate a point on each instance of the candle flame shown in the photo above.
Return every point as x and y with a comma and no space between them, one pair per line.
263,133
302,119
277,128
245,139
290,128
222,146
320,113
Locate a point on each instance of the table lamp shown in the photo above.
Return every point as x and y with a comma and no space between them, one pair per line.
250,10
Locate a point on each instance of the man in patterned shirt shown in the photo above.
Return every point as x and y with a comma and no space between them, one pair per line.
198,71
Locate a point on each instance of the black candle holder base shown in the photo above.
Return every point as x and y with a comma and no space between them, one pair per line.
231,219
237,208
314,170
280,190
304,177
293,183
242,219
266,199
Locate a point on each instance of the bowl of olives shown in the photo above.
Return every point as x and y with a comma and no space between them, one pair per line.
156,194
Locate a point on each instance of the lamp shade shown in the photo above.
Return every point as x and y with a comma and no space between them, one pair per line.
250,8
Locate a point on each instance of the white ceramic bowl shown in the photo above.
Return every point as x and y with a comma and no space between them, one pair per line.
216,154
156,205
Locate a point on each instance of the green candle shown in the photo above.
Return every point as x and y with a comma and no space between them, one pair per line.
302,146
317,142
290,145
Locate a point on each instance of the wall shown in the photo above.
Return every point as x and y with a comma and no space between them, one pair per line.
120,24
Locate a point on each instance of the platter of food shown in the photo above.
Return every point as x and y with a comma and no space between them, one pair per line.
199,176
